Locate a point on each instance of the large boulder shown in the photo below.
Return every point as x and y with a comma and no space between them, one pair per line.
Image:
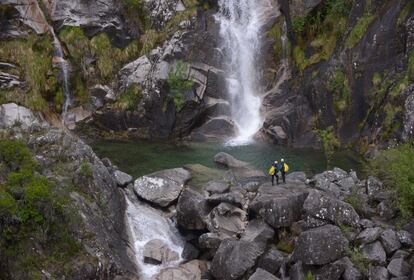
324,207
369,235
258,231
122,178
227,219
272,260
234,258
193,270
192,210
157,252
378,273
320,246
350,272
163,187
390,241
399,268
261,274
279,206
229,161
12,114
375,253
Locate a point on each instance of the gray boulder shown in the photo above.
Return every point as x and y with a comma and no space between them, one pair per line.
163,187
258,231
369,235
350,272
234,197
122,178
12,114
296,177
279,206
405,238
327,208
390,241
227,219
192,210
373,186
272,260
375,253
193,270
234,258
217,187
157,252
378,273
399,268
331,271
320,246
261,274
212,240
229,161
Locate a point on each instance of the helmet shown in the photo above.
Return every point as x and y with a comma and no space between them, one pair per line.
276,161
282,160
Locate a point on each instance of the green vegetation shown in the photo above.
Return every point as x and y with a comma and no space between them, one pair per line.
359,30
179,81
33,56
130,99
33,214
338,85
309,276
330,142
85,169
410,68
321,29
394,168
356,202
405,12
357,258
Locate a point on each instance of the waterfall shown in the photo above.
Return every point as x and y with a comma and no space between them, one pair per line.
241,25
64,67
146,224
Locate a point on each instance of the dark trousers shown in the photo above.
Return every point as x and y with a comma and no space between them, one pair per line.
273,179
284,177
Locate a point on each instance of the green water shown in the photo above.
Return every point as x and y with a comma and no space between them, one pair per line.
142,157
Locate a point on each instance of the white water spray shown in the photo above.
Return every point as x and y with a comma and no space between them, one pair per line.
146,224
241,25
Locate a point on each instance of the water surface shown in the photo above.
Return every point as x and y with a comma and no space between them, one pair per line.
144,157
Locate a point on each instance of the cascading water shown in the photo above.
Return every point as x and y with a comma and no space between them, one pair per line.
146,224
241,23
64,66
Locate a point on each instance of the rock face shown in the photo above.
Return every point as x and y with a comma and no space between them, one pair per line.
320,246
162,188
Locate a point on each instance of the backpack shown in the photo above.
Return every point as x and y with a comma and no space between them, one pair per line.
272,171
286,168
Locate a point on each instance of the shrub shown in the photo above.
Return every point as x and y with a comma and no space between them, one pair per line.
85,169
130,98
309,276
179,81
329,142
359,30
338,85
395,168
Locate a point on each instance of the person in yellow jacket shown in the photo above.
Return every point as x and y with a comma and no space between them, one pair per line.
284,168
274,172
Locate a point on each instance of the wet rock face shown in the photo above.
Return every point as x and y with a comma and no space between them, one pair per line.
162,188
320,246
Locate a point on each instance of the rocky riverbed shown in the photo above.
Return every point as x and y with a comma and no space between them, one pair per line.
222,225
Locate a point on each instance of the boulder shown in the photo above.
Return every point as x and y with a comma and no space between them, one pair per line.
331,271
122,178
296,272
390,241
386,210
193,270
374,252
330,209
399,268
405,238
217,187
136,72
227,219
242,255
350,272
229,161
12,114
373,186
365,223
279,206
190,252
259,232
346,184
211,240
369,235
157,252
272,260
261,274
378,273
192,210
235,198
296,176
320,246
163,187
